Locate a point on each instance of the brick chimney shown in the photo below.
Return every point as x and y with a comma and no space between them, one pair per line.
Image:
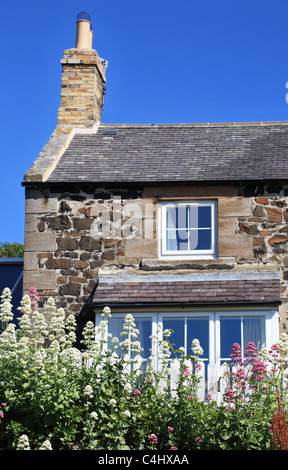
83,80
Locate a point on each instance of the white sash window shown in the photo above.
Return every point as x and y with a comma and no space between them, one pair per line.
188,229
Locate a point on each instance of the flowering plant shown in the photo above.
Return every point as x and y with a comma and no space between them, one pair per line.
57,396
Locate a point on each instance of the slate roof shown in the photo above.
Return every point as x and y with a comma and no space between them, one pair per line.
192,292
180,152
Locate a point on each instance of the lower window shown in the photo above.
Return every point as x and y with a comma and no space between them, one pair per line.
216,331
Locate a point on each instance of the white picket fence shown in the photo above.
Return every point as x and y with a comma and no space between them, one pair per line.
211,378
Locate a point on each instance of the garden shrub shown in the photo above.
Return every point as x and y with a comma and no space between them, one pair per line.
55,396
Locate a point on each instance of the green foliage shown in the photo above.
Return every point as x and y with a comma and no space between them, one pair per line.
55,395
11,250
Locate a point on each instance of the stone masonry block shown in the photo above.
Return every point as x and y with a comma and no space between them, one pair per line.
30,261
227,226
234,207
31,222
38,242
42,280
141,249
36,203
239,247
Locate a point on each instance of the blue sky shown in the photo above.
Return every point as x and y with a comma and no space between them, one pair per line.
168,62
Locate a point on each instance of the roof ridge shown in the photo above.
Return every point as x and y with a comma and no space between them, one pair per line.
207,124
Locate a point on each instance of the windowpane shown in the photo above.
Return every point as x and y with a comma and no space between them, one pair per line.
200,239
253,331
171,217
198,328
204,217
241,330
230,333
177,240
177,217
177,325
144,325
193,217
115,326
182,219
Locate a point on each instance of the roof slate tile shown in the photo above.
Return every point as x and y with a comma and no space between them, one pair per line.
161,153
265,290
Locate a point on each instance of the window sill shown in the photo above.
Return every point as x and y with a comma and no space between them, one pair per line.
198,264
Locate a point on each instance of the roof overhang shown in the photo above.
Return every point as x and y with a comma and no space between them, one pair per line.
127,290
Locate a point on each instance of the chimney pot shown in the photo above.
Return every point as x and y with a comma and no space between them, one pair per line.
84,31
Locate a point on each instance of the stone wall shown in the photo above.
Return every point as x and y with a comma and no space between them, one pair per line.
71,234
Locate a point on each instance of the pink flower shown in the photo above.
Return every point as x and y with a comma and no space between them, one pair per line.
191,397
153,439
170,429
3,404
236,354
148,381
250,348
1,414
173,448
229,395
198,439
185,372
137,393
259,370
209,396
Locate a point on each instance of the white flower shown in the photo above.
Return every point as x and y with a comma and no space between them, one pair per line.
72,356
136,347
6,314
196,348
106,312
127,388
25,305
126,414
6,293
264,353
54,347
24,322
164,350
23,443
93,415
113,402
46,445
167,333
283,344
126,343
88,390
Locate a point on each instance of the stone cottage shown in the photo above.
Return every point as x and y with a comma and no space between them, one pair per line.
183,225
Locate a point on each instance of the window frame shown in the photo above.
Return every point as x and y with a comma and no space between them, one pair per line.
164,253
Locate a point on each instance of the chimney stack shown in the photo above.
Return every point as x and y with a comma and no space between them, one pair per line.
83,80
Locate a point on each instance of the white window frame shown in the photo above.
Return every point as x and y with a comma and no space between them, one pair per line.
189,254
270,318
